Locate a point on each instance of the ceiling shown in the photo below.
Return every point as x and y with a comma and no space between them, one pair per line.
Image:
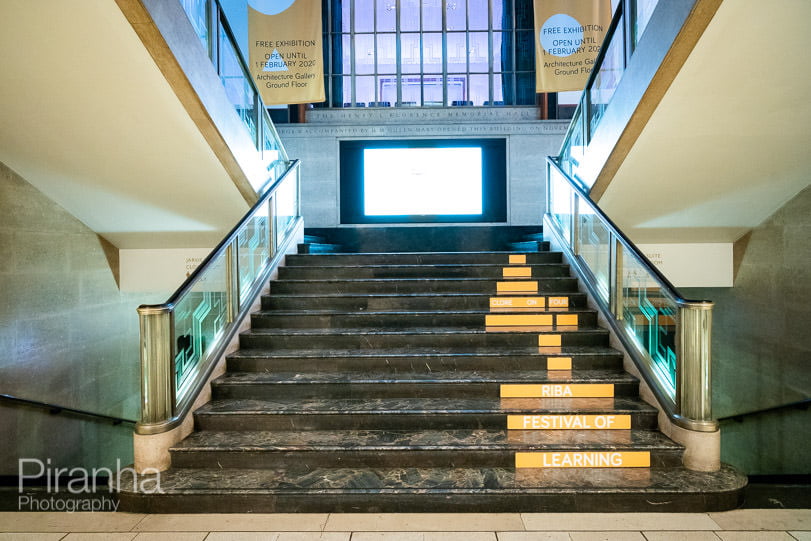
730,142
88,119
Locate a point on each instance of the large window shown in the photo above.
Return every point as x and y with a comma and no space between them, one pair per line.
429,52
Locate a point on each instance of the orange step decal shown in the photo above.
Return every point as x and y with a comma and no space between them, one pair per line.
517,272
518,320
584,459
566,320
558,302
518,303
516,287
568,422
518,259
559,363
549,340
557,390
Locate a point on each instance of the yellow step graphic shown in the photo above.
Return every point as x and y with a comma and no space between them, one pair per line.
517,287
518,259
566,320
569,422
559,363
558,302
583,459
516,272
549,340
518,320
558,390
518,303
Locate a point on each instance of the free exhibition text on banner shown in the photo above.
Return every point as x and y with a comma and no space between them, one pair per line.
568,36
285,50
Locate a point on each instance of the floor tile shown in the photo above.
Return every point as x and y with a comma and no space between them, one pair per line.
424,522
680,536
801,536
100,536
281,522
171,536
424,536
608,522
533,536
68,522
606,536
764,519
313,536
759,535
31,536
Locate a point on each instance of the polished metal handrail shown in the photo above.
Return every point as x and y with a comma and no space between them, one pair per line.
689,402
161,406
56,409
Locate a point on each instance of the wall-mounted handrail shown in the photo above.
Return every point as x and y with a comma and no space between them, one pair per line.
181,338
739,417
667,335
55,409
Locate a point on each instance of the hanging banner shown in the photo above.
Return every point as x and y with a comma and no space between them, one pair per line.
568,36
285,50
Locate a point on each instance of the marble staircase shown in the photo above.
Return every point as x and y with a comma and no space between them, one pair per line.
379,382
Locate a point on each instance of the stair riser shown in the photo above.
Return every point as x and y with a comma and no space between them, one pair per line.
395,303
382,320
461,258
365,421
374,390
458,362
486,287
389,341
379,458
422,271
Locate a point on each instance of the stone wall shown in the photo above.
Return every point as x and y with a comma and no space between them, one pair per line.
762,344
529,141
67,334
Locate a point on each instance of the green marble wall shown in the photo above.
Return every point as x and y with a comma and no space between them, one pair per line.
67,334
762,344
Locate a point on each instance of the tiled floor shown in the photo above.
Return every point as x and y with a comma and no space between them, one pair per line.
741,525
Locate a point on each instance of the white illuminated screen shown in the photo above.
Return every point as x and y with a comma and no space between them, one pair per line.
422,181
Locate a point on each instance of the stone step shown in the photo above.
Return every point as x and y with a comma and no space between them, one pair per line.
372,338
406,413
396,302
421,258
495,272
318,248
414,285
393,383
326,319
410,357
406,448
304,488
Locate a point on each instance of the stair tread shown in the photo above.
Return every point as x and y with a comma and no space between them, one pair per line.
432,254
424,279
425,375
353,331
546,293
302,479
424,265
421,440
395,311
399,406
420,352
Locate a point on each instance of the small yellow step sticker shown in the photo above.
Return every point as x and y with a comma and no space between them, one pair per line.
516,287
549,340
518,320
558,302
566,320
518,259
557,390
568,422
500,303
584,459
517,272
559,363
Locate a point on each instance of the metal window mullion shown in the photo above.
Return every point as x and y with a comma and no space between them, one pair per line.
422,61
491,95
375,75
330,52
398,54
444,7
514,60
352,51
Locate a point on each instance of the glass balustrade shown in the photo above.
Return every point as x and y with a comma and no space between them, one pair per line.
593,246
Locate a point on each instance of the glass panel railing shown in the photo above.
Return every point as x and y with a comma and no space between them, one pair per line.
667,336
609,72
594,245
237,83
182,338
643,9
